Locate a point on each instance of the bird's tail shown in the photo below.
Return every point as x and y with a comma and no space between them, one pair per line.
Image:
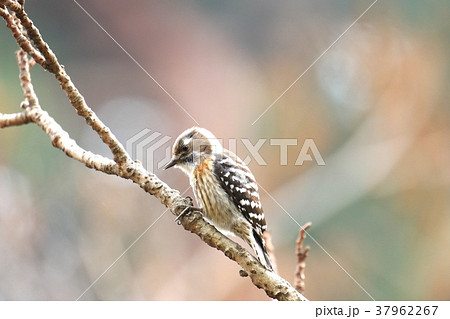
259,246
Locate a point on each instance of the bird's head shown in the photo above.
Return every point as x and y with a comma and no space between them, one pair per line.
192,147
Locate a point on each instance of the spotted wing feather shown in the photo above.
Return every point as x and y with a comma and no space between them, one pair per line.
239,183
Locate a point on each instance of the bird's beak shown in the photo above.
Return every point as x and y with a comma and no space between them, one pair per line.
173,162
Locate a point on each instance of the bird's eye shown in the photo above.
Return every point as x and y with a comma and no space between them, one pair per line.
185,148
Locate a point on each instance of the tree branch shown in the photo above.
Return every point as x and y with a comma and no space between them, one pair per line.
14,119
21,39
11,4
302,254
122,165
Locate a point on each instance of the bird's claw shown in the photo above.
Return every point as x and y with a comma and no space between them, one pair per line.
189,199
186,210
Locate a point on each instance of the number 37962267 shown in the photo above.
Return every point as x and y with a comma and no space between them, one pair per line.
407,310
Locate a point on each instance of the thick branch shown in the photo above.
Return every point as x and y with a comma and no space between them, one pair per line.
275,286
123,166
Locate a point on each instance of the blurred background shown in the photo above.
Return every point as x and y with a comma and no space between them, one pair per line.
376,105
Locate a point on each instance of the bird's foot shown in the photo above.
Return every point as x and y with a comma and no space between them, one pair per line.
186,209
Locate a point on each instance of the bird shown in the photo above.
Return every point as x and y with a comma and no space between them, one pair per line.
224,188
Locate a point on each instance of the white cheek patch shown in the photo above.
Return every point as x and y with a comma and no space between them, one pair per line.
187,140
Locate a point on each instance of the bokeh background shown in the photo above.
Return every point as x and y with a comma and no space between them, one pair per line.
376,105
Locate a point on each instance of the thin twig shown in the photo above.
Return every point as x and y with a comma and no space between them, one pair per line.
302,254
52,65
59,138
14,119
21,39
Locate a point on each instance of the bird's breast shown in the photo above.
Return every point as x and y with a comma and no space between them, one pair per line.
217,206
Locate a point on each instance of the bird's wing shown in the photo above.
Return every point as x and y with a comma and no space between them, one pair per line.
239,183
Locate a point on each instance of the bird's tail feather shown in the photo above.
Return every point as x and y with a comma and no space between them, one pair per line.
260,248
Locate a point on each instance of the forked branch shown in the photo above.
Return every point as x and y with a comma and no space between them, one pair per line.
32,44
